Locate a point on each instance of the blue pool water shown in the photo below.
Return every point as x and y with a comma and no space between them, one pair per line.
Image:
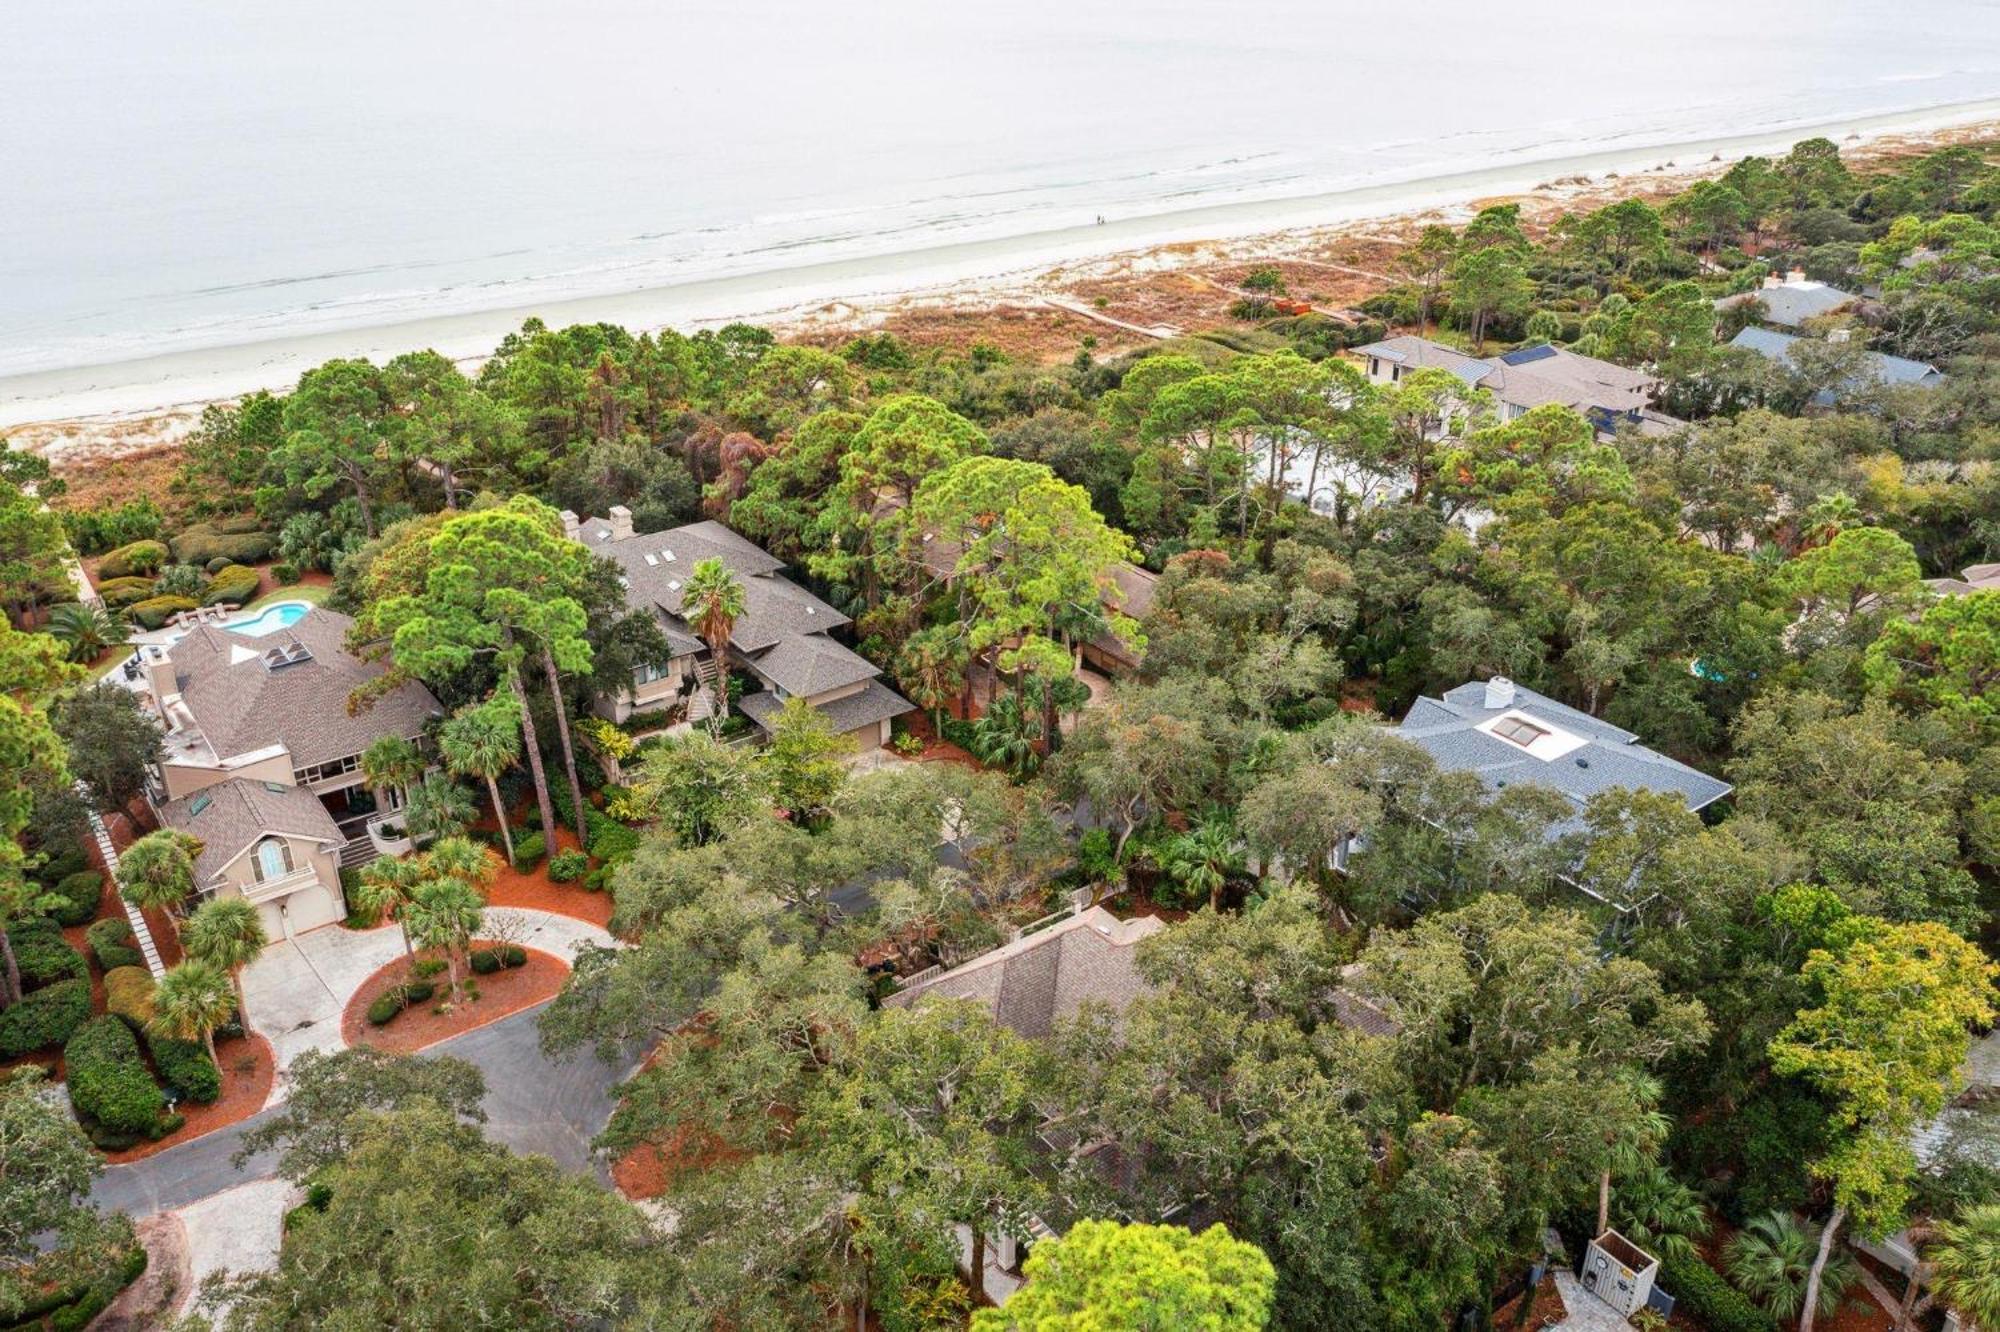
269,620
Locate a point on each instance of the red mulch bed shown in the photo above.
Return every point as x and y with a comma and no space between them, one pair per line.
533,890
248,1072
650,1169
501,994
937,749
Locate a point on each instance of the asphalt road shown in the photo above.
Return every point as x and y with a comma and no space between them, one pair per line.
533,1103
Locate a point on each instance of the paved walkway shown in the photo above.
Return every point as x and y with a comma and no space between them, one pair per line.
1586,1313
298,989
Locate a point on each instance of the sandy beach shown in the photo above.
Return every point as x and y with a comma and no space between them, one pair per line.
98,411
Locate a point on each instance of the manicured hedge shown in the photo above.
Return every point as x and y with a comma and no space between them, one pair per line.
486,961
118,593
1702,1293
185,1067
80,893
110,942
43,955
154,612
128,993
610,840
108,1081
141,557
59,865
397,998
528,851
204,542
46,1018
567,866
233,582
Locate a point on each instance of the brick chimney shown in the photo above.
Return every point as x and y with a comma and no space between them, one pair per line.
621,521
1499,694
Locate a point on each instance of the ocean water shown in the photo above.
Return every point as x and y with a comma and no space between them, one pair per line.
222,172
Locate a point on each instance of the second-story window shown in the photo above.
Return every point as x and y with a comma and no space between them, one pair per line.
274,860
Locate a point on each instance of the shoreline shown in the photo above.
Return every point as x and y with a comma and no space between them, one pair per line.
112,409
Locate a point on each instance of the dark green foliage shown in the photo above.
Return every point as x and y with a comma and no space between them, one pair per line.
528,851
231,583
610,840
185,1067
43,955
94,531
485,962
284,573
567,866
61,864
154,612
119,593
110,942
489,960
81,892
139,558
395,1000
1713,1302
205,542
108,1081
46,1018
69,1308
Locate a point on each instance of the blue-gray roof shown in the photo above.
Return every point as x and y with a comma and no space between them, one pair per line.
1447,729
1792,303
1893,369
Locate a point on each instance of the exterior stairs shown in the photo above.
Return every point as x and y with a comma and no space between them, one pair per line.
141,935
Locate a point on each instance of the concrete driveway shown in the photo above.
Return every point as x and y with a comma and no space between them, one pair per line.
298,989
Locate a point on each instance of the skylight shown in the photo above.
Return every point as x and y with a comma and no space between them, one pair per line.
652,559
1519,731
200,803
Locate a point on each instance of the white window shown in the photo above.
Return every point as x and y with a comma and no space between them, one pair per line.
274,860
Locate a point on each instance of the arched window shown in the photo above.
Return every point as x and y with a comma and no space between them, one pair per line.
274,859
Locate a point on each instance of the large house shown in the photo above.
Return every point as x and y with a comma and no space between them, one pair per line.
782,639
1791,300
1974,578
1609,396
262,756
1892,371
1509,735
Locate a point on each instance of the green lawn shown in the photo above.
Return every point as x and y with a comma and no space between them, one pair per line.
312,593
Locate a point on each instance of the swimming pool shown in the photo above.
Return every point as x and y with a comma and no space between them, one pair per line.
269,620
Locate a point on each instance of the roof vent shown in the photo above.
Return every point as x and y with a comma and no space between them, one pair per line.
1583,763
1499,693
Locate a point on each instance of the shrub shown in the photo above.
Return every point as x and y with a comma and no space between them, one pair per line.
186,1067
43,955
217,565
567,866
285,573
128,993
237,525
232,582
47,1017
80,893
208,541
397,998
1713,1302
426,967
180,580
154,612
964,734
108,1081
610,840
528,851
141,557
513,955
117,593
61,864
110,942
485,962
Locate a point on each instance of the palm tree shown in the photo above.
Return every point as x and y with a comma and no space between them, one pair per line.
1631,1149
190,1002
1962,1258
1203,858
578,808
484,740
1005,737
392,763
711,601
462,859
931,667
438,807
1660,1214
86,630
227,933
445,914
385,889
1771,1259
158,871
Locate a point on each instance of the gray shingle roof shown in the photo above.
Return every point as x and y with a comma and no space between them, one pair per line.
241,703
1792,303
1529,376
1608,757
230,817
875,702
1777,346
809,664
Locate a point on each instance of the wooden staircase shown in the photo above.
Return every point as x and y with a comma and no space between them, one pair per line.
141,935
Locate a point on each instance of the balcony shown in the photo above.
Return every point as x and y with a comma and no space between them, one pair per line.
269,890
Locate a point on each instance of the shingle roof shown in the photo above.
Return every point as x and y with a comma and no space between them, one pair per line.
242,702
1605,759
1976,578
1417,353
1030,983
1529,377
874,702
808,664
1792,303
230,817
1777,346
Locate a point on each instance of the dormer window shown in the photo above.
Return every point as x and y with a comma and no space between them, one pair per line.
1519,731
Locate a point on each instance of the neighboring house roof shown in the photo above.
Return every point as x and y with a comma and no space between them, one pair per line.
1976,578
1777,346
811,664
1792,303
1030,983
231,817
1553,746
873,702
290,688
1530,377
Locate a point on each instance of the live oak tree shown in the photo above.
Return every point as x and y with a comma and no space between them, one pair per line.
1139,1277
50,1234
320,1120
